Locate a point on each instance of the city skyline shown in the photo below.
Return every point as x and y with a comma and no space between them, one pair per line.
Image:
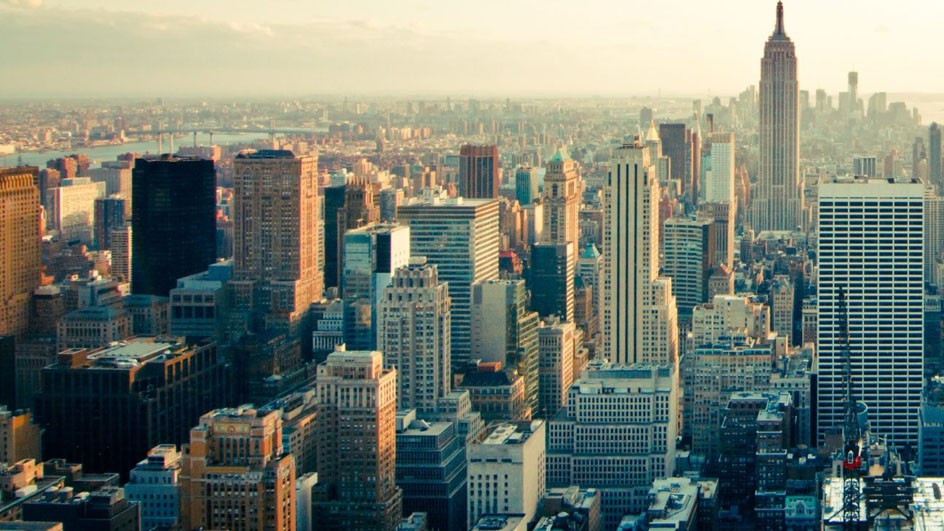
290,49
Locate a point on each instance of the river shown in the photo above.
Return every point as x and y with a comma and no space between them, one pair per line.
111,152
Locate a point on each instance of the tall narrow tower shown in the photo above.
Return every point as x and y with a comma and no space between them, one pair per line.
639,315
562,189
778,204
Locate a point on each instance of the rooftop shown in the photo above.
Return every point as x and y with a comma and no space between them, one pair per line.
500,432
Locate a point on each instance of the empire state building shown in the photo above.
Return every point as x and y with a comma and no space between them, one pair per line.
778,200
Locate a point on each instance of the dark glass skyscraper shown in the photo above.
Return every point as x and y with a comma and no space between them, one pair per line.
552,280
173,223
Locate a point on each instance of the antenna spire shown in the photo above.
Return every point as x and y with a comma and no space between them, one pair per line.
779,30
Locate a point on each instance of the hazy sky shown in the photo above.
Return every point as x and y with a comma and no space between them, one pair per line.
478,47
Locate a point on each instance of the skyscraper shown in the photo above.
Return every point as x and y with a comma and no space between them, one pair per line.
109,215
275,210
562,191
413,327
778,201
174,221
689,256
235,474
719,179
19,247
371,256
552,279
934,156
871,246
356,209
357,452
639,315
478,172
503,330
677,146
460,236
333,205
526,185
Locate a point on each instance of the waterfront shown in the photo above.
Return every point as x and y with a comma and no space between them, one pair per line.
110,152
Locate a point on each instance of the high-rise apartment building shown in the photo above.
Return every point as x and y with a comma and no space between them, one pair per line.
616,434
19,247
505,331
235,474
478,172
639,316
460,237
778,198
155,486
563,188
275,250
174,221
506,470
357,453
413,332
106,407
871,242
552,279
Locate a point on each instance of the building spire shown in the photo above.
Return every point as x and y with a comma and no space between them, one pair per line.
779,30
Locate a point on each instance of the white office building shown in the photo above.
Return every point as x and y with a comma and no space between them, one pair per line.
460,236
506,470
871,244
719,179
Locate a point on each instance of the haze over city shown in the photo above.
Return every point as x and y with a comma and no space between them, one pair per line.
82,48
516,265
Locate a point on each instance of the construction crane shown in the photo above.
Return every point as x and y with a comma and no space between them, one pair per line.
852,431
